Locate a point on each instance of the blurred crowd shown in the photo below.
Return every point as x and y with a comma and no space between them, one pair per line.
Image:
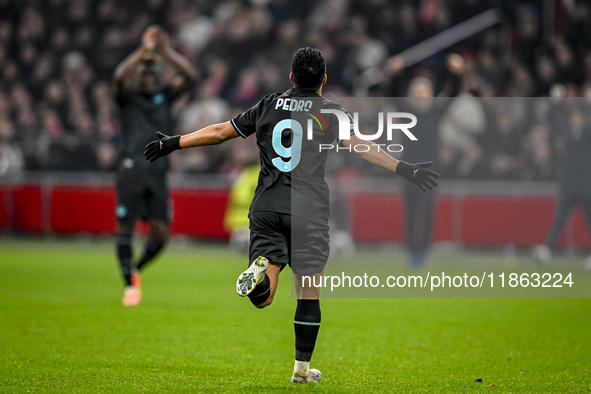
57,57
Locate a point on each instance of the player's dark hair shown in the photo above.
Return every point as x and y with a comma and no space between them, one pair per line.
308,68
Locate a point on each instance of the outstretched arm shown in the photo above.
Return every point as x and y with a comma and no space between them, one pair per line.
417,174
374,155
188,75
210,135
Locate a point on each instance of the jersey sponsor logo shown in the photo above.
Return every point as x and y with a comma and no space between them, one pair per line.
158,99
128,163
121,211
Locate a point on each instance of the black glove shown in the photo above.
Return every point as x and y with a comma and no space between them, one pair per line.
162,146
418,175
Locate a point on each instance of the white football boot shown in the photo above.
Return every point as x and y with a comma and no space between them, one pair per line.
312,376
303,374
254,274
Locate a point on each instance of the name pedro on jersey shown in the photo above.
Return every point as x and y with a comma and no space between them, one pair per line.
294,105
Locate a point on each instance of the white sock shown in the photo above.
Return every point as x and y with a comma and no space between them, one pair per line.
301,367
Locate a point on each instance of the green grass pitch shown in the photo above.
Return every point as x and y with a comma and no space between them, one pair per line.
63,329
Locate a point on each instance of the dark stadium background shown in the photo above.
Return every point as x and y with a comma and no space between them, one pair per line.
60,135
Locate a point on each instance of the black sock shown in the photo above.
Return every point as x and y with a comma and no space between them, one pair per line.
151,250
261,293
124,254
306,325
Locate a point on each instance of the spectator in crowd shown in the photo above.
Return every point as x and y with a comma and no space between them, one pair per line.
11,160
56,59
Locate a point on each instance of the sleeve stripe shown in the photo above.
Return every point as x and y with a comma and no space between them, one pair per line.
237,129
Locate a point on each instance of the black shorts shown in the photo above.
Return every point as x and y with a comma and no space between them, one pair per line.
285,239
142,195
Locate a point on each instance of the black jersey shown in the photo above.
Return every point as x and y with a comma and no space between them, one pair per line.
141,116
290,127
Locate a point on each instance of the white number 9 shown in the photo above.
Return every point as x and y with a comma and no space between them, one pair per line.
293,153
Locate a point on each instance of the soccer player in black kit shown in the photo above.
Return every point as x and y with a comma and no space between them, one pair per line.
289,212
142,192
